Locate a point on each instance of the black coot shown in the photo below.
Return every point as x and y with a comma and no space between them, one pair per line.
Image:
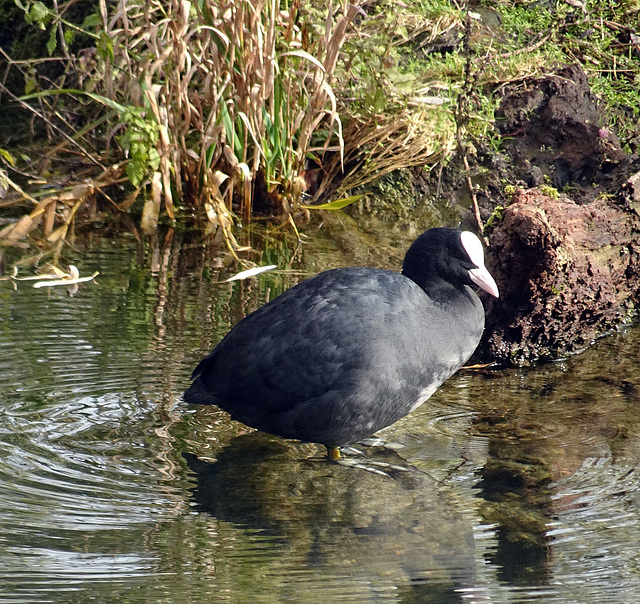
352,350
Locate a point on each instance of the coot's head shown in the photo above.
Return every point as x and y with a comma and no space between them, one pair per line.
445,257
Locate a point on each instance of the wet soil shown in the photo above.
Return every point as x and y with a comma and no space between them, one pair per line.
565,234
567,254
567,273
553,133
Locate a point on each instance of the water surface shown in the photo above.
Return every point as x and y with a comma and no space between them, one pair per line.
508,486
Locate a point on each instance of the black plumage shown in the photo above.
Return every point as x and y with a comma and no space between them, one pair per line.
350,351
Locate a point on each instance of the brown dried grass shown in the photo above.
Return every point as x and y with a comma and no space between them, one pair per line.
232,89
234,96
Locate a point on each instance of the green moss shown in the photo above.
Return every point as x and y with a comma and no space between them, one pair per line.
549,191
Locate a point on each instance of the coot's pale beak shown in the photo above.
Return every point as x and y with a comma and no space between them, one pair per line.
483,279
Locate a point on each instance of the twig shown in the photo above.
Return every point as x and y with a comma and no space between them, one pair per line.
529,48
462,114
51,124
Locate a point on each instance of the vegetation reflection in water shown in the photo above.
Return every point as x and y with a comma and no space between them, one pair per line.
511,485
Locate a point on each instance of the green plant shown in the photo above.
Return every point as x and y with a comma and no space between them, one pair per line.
220,104
496,216
549,191
139,141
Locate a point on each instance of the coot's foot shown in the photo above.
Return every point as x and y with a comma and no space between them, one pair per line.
333,453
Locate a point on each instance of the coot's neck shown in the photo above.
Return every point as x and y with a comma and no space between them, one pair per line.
440,290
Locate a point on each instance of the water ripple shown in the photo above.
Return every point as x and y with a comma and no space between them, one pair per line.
507,486
595,531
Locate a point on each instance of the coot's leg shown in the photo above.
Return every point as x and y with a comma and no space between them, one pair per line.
333,453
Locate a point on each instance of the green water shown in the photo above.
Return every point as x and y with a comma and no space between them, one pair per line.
508,486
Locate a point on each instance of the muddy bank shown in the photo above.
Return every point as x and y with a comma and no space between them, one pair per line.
563,202
568,273
553,133
566,250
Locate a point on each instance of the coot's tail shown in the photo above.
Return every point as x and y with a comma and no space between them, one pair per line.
197,394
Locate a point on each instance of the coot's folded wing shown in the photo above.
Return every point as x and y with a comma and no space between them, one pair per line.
308,341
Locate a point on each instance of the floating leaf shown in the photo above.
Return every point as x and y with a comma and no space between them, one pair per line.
57,282
337,204
252,272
